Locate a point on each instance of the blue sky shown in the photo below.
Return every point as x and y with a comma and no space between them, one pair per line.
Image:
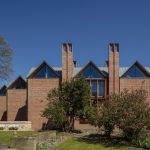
35,30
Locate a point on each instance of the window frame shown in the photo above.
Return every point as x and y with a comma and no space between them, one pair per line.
46,73
89,80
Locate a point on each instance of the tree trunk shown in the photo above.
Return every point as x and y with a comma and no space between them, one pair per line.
71,122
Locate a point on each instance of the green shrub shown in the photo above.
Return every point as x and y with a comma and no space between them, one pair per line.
128,111
143,143
134,113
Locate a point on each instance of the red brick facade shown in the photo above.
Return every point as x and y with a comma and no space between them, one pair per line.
3,116
37,99
132,84
16,104
67,61
25,100
113,68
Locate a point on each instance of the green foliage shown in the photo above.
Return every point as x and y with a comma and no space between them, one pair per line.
128,111
106,115
41,146
71,99
134,112
143,143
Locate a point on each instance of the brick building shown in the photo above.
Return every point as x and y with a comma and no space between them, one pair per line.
24,99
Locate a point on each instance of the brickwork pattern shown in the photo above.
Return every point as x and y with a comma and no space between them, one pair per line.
3,115
16,105
37,99
67,61
113,68
136,83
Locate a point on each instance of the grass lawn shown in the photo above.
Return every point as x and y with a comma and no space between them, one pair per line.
5,136
79,145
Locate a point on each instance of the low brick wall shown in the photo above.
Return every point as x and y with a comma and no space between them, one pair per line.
19,125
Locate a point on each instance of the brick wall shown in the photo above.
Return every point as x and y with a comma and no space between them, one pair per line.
64,62
116,70
67,61
113,68
37,99
3,114
135,84
111,74
16,105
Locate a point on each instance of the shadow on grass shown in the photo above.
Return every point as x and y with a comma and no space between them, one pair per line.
112,141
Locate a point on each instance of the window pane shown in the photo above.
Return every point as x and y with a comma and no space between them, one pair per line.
92,72
135,72
41,73
45,72
94,88
50,73
101,88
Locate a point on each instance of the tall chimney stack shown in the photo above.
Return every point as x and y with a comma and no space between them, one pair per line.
67,61
113,68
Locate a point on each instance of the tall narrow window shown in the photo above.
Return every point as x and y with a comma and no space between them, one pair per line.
94,88
101,87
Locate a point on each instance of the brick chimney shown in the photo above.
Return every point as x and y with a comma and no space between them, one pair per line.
75,63
106,63
113,68
67,61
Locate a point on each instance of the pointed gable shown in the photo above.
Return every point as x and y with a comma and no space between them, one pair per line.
136,71
19,83
44,71
91,71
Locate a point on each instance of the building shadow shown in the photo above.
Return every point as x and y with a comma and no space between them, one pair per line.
113,141
21,114
4,116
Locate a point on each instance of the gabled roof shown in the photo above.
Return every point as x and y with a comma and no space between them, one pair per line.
35,70
144,69
76,70
18,83
84,68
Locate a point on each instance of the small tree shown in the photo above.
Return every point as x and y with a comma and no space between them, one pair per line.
134,112
128,111
5,59
71,99
106,115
